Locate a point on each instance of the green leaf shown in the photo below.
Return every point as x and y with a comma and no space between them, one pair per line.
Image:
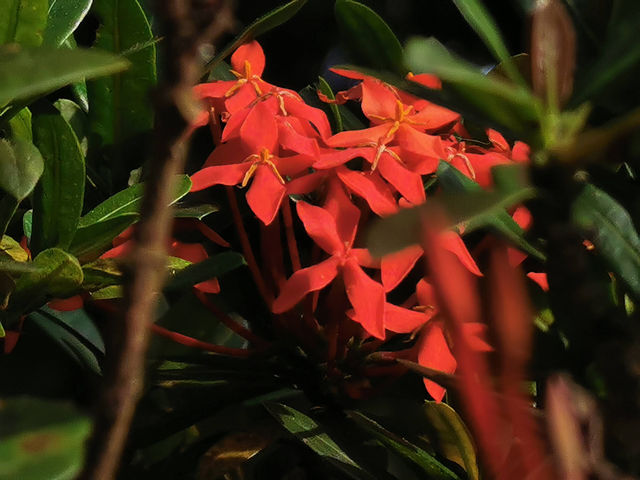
370,37
427,462
101,273
64,18
471,209
500,102
79,88
23,22
215,266
77,118
614,234
59,195
33,72
263,24
316,438
452,437
20,125
127,202
41,439
80,323
121,108
453,181
93,239
198,211
21,167
481,21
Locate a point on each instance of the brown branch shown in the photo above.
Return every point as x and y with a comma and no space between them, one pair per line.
187,24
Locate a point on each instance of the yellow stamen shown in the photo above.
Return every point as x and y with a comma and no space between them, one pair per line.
263,158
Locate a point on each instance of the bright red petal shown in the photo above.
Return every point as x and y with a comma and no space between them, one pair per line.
213,89
232,128
315,116
219,175
303,281
364,258
67,304
402,320
345,213
453,242
434,352
406,182
367,298
305,184
192,252
419,143
290,139
396,266
540,279
377,101
356,138
370,187
265,194
260,129
208,286
321,227
434,117
335,158
251,52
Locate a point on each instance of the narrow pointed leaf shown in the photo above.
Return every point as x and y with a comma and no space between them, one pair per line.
370,37
316,438
93,239
427,462
59,195
268,21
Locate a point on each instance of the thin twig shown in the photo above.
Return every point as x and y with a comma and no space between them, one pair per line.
187,23
199,344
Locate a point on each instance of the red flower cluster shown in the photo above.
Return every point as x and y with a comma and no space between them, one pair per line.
285,150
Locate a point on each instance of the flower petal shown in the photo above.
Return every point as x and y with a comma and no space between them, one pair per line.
378,101
265,194
330,158
453,242
306,183
434,352
434,117
315,116
345,213
403,320
304,281
396,266
251,52
420,143
356,138
367,298
407,183
218,175
260,129
370,187
321,227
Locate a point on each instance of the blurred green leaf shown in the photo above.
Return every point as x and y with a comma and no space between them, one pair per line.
76,118
501,102
614,234
79,88
452,437
198,211
127,202
369,36
23,21
21,167
263,24
427,462
20,125
481,21
58,197
316,438
37,71
215,266
121,107
41,439
64,18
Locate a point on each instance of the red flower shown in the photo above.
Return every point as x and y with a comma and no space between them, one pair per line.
333,228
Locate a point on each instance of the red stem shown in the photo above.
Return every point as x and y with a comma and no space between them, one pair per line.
192,342
266,295
291,237
230,322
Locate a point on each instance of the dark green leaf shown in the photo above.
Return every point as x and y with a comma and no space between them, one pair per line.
41,439
481,21
212,267
453,438
23,22
121,108
91,240
431,466
79,88
77,118
127,202
21,167
59,195
80,323
614,234
101,273
33,72
316,438
501,102
64,18
198,211
27,223
369,36
268,21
